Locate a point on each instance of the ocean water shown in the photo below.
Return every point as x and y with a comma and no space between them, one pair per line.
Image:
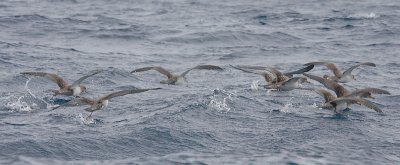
218,117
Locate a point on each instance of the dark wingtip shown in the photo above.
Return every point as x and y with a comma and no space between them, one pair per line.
134,71
54,108
233,66
310,67
219,68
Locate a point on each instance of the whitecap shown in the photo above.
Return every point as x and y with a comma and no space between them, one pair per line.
364,15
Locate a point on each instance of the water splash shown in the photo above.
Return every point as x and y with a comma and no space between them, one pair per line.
19,105
85,120
220,100
314,105
48,106
254,85
220,106
287,106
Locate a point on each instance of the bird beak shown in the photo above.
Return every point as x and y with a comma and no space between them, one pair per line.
371,97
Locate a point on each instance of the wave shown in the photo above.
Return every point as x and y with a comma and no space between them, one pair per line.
233,37
36,18
353,17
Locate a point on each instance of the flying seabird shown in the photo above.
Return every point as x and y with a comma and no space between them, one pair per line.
65,89
344,77
276,79
288,85
343,92
341,104
362,93
102,102
271,74
176,79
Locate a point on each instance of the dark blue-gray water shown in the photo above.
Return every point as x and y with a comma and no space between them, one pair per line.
218,117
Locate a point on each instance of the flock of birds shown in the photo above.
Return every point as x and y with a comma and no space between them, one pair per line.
275,79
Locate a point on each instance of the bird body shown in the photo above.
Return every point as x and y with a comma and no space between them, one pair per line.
344,98
64,88
288,85
102,102
341,104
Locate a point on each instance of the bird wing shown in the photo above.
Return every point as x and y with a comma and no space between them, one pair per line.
77,102
269,77
294,80
337,88
354,100
359,92
208,67
330,66
254,67
156,68
326,94
125,92
53,77
300,71
348,71
78,82
280,77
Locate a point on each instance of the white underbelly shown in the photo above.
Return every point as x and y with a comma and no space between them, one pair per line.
180,80
342,106
289,86
76,91
345,79
105,103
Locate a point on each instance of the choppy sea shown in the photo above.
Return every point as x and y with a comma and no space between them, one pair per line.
217,117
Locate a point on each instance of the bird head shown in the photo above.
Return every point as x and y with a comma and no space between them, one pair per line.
369,95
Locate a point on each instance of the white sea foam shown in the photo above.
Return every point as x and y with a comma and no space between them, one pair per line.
19,105
48,106
364,15
220,100
287,107
85,120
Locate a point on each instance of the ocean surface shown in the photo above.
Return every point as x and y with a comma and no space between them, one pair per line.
217,117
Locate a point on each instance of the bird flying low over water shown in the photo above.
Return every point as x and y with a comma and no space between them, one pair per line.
275,71
288,85
341,104
344,77
343,92
276,79
176,79
102,102
357,94
344,98
65,89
